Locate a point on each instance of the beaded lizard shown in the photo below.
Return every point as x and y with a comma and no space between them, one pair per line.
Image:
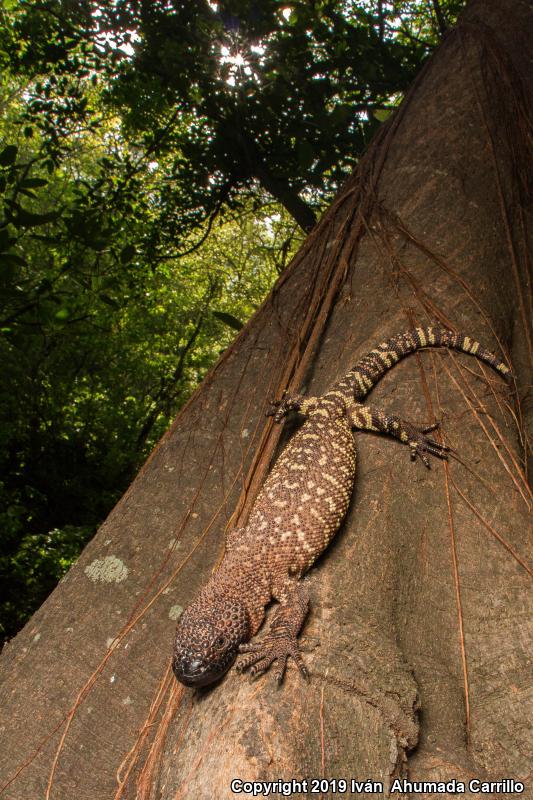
296,514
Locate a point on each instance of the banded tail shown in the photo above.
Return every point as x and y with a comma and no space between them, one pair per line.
371,368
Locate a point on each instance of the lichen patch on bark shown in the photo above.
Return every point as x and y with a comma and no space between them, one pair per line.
175,612
107,570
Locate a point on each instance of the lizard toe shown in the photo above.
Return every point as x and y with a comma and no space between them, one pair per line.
429,428
250,647
248,662
280,671
260,666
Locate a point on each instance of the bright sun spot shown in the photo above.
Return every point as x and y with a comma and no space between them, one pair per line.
237,63
236,60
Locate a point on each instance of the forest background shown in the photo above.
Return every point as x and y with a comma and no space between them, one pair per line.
159,165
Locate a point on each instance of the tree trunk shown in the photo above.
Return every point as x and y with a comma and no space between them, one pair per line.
419,636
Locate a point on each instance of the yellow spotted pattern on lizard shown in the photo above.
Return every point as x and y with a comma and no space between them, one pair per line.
296,514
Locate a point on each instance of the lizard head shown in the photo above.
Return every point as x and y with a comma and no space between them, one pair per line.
207,640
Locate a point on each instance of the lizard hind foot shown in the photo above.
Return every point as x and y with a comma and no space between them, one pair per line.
280,408
422,445
278,645
277,408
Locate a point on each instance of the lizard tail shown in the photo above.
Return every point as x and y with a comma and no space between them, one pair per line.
371,368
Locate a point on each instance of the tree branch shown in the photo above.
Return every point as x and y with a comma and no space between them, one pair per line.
439,16
277,187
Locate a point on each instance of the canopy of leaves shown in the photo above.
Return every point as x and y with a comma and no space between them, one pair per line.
242,94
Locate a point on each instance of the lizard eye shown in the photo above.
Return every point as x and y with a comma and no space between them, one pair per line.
221,641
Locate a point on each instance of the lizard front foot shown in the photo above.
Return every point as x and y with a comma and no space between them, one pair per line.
278,645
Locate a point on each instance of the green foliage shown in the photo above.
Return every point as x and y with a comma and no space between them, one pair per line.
100,343
156,162
233,95
34,568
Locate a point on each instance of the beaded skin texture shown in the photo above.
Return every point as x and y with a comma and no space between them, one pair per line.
296,514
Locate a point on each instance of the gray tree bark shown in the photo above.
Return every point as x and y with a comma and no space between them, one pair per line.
419,637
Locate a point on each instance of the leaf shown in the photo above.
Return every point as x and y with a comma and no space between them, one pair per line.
381,114
33,183
127,253
229,319
62,315
8,155
27,219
